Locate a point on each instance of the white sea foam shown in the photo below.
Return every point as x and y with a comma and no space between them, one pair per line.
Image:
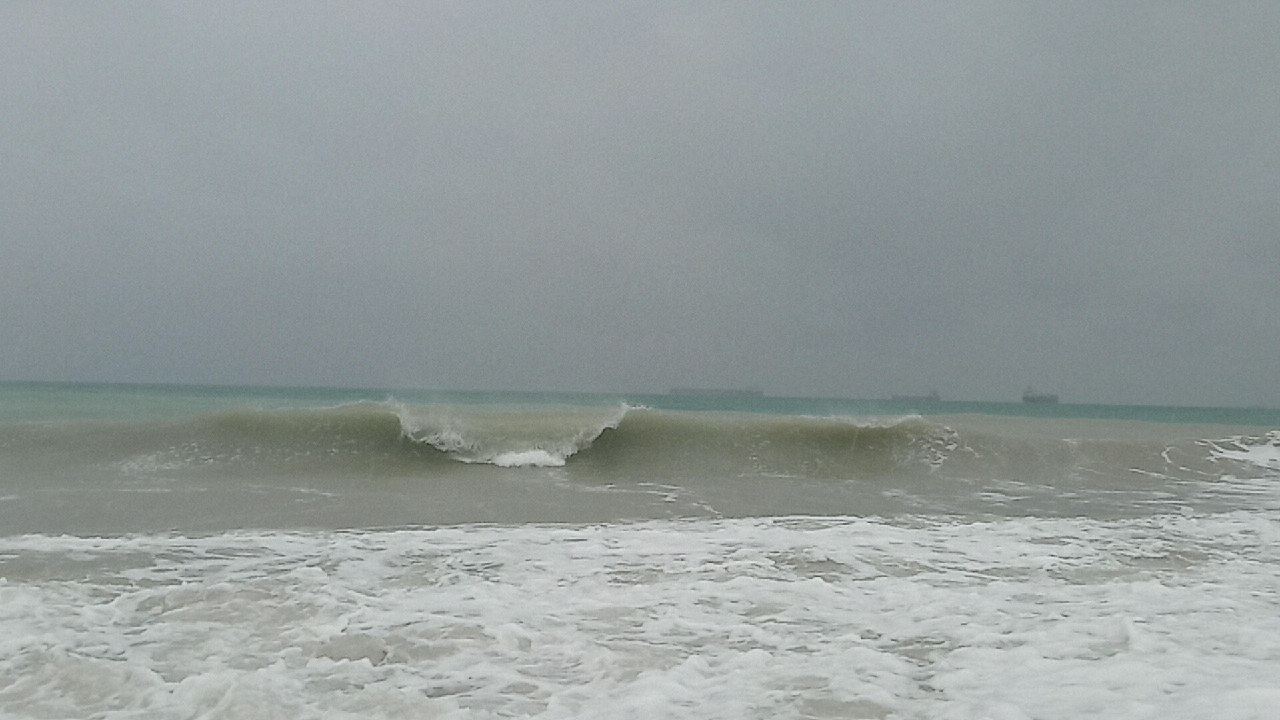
1161,617
528,458
1262,452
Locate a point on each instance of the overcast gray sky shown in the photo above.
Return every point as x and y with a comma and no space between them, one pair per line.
845,199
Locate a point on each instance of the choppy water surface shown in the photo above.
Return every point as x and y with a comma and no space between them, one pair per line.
233,553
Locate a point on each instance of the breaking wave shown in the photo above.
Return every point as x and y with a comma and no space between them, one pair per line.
506,437
624,443
622,440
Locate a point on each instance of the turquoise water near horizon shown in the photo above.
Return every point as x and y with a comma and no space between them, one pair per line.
29,400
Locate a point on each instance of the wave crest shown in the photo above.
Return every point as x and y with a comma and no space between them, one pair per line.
636,440
632,443
505,436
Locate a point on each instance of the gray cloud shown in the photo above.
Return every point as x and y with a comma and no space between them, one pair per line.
846,199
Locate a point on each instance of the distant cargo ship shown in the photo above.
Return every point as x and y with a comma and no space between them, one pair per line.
933,396
1031,396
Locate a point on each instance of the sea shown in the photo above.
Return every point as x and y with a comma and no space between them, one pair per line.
233,552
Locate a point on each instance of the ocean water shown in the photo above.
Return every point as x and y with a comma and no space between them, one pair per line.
202,552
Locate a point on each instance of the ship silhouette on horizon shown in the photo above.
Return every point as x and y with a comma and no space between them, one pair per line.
1037,398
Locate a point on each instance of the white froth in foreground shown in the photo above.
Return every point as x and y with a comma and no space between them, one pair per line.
1171,617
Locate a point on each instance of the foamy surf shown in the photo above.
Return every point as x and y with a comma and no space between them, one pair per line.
528,458
1261,452
752,618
